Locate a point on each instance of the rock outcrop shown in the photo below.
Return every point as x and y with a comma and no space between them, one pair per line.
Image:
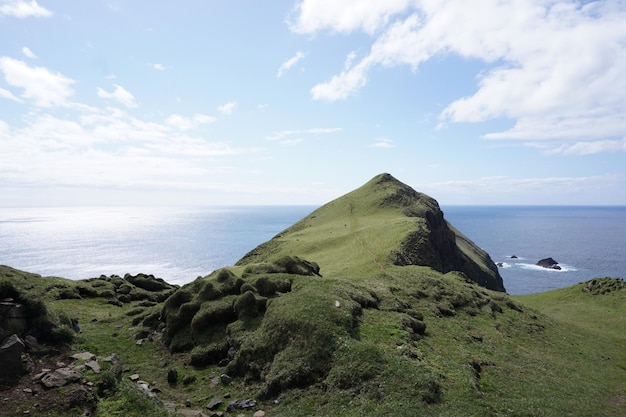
11,349
549,263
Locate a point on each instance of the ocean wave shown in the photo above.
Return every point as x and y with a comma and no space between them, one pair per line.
534,267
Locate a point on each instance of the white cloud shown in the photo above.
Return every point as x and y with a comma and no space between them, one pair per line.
39,84
120,94
28,53
228,108
286,66
551,67
589,147
186,123
291,137
345,15
9,95
341,86
22,9
509,190
108,148
382,143
158,67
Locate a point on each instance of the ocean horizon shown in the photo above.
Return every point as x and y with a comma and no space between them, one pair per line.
180,244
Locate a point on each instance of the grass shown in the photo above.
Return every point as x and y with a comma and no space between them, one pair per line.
349,345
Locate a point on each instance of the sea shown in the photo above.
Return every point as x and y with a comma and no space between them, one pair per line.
181,244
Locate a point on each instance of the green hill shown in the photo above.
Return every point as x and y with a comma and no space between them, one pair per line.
381,224
373,305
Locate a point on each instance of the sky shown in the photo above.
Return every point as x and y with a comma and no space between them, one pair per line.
112,102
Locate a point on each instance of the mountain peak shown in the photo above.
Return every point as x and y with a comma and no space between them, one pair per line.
382,224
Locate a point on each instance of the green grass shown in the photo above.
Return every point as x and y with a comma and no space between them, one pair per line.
354,338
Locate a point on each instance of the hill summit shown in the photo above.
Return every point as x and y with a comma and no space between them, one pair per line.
382,223
368,264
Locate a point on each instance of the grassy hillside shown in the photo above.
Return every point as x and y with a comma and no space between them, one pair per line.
408,341
373,305
381,224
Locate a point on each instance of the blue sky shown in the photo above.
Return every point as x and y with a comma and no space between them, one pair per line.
298,102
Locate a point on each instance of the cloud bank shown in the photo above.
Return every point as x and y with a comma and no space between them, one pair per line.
554,68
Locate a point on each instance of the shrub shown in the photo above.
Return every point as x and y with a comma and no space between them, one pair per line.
124,298
265,286
246,306
208,292
61,334
125,289
87,291
219,312
246,287
147,282
70,293
106,294
106,384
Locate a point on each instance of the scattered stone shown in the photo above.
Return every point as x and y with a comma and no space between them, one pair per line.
226,380
33,346
190,413
214,404
259,413
134,377
162,364
116,365
142,334
172,376
40,375
27,390
93,365
215,381
112,358
146,389
169,406
241,405
27,363
60,377
85,356
188,380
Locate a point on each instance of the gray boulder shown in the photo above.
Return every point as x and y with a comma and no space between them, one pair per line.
60,377
11,359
